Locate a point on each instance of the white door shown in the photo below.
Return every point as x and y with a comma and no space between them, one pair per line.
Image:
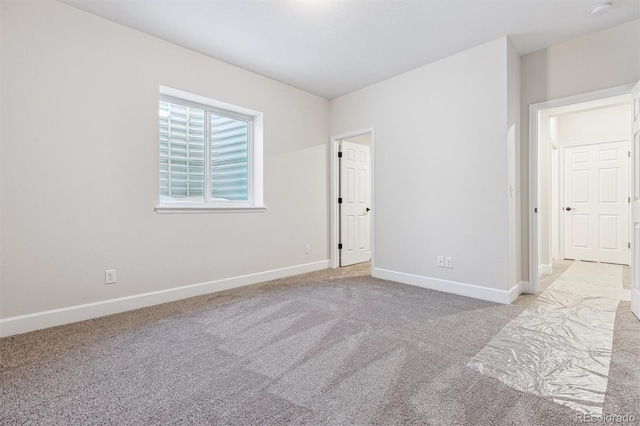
596,205
355,196
635,183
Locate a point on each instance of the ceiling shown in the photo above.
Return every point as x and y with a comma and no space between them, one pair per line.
333,47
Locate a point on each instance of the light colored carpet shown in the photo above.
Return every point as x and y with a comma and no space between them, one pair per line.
320,349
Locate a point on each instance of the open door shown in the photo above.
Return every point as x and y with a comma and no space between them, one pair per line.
355,196
635,185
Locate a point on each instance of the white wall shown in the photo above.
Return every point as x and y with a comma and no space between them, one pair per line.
441,170
597,61
80,165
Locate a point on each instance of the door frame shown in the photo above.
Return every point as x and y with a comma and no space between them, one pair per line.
534,113
561,203
334,171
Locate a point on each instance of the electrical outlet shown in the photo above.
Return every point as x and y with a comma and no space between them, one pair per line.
440,261
448,262
307,249
110,276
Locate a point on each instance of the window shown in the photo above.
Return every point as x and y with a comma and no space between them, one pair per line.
210,155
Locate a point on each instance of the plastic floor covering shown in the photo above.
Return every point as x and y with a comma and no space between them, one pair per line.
560,347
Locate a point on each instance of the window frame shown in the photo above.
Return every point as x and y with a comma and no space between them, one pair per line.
254,202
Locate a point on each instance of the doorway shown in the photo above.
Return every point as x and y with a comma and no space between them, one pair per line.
352,199
580,180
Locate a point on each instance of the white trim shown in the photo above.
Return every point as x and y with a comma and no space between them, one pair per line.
560,216
46,319
209,209
453,287
584,97
334,232
545,269
534,111
191,97
556,216
255,166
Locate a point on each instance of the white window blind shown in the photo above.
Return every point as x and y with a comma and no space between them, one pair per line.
182,152
229,158
204,154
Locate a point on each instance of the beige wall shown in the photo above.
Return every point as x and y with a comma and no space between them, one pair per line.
79,167
602,60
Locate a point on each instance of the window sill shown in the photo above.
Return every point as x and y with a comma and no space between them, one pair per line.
210,209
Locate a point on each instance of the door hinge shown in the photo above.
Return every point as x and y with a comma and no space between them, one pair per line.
340,246
629,199
535,210
629,245
340,200
629,152
339,154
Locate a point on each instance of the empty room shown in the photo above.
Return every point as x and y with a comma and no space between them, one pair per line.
323,212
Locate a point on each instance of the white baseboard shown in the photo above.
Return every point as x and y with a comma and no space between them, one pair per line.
46,319
462,289
545,269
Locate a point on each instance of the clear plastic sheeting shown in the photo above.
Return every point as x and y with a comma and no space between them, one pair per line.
560,347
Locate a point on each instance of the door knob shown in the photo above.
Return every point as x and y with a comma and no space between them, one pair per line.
567,209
